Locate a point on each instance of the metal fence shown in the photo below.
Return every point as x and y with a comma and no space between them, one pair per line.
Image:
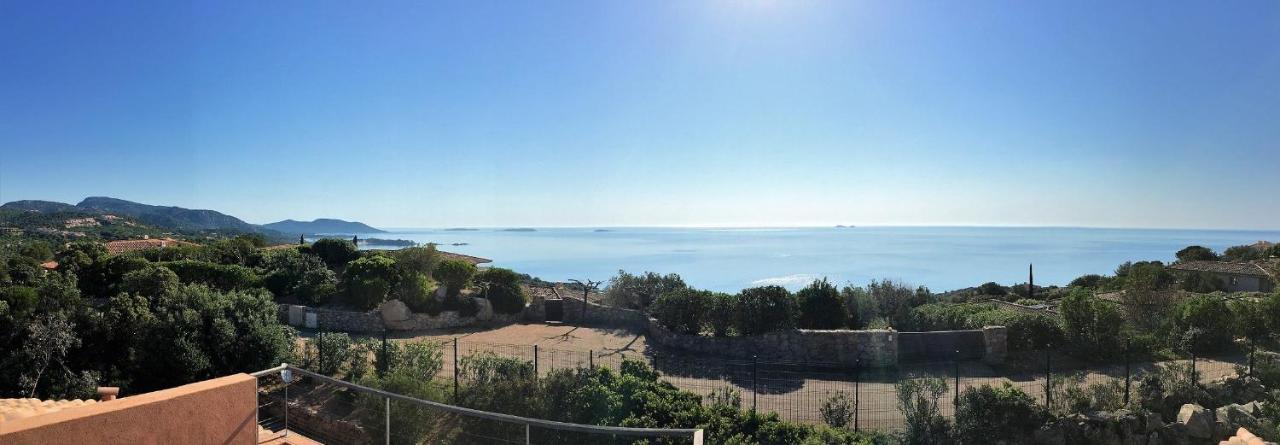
400,419
798,391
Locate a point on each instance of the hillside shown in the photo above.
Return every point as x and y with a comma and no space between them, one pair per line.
171,217
321,225
39,206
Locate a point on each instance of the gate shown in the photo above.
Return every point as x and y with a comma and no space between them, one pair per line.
555,310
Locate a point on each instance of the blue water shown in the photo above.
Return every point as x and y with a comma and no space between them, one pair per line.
942,258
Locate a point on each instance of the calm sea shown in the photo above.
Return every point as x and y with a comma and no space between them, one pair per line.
941,258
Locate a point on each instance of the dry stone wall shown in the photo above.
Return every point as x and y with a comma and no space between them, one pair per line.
873,347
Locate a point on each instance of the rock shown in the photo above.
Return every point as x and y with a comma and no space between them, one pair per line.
1254,408
1049,434
394,312
1173,434
1153,423
484,309
1234,417
1196,420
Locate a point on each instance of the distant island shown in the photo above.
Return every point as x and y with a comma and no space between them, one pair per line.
601,230
321,225
387,242
519,229
460,229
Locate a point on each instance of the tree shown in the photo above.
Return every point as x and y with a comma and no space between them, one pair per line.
415,291
991,288
1089,281
370,279
454,275
1242,254
49,341
151,281
502,288
1202,282
861,306
765,309
335,252
821,306
36,250
1197,253
292,273
639,291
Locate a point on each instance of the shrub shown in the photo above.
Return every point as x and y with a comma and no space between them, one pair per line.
821,306
502,288
837,410
1202,282
1211,316
683,311
765,309
639,291
417,260
333,349
418,293
316,286
1070,394
335,252
1166,387
454,275
918,402
1091,327
225,277
721,313
370,279
991,414
862,308
1242,254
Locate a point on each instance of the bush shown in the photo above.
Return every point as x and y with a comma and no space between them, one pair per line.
821,306
316,286
918,403
502,288
1211,316
224,277
765,309
683,311
417,260
988,414
639,291
721,313
418,293
837,410
370,279
335,252
454,275
1091,327
1088,281
862,308
1165,388
291,273
333,350
1242,254
1070,395
1202,282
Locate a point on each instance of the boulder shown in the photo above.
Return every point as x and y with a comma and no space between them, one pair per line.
394,312
1197,421
484,310
1234,417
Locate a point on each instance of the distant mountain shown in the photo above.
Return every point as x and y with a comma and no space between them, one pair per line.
322,225
171,217
39,206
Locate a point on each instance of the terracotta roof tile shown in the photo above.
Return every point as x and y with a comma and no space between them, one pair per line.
1221,267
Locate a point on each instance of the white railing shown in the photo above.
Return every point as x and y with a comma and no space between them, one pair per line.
289,373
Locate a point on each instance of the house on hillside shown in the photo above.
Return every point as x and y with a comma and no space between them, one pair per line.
1237,277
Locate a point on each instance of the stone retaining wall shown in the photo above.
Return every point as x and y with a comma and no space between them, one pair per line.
392,315
595,315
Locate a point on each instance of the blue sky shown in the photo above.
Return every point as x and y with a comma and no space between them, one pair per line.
585,113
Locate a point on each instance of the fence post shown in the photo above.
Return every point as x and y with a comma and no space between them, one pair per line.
755,381
388,435
857,381
1048,379
535,362
1194,381
455,370
1253,346
591,358
1127,373
286,408
320,349
382,364
956,361
654,359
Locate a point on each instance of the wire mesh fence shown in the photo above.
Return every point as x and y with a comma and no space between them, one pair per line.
798,391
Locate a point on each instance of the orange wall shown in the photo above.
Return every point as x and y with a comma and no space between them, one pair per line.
219,411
